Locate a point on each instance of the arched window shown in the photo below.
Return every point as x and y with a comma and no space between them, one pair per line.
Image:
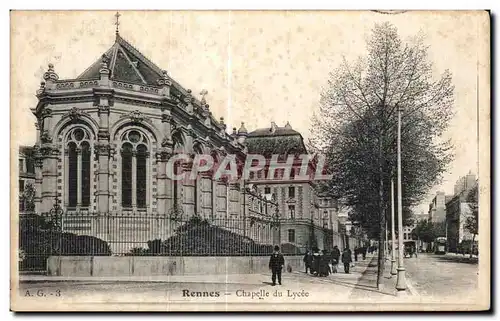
85,174
134,153
78,151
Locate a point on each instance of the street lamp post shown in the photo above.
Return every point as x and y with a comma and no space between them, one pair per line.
393,234
401,280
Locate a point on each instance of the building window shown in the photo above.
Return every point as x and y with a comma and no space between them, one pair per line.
78,162
85,174
291,236
291,211
134,169
267,190
291,192
21,186
21,165
127,175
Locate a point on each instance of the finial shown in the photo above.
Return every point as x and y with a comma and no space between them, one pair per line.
288,126
242,129
165,80
221,120
189,97
50,74
41,89
104,65
203,93
117,22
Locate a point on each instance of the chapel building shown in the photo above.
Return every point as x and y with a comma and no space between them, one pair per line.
104,140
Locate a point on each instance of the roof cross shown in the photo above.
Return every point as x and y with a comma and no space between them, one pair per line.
117,23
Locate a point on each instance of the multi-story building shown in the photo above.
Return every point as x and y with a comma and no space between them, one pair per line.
104,141
464,183
437,208
307,218
26,176
458,209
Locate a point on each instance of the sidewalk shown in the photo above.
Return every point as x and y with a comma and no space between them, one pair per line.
366,288
353,277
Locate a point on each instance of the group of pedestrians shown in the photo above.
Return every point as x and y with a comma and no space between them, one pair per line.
321,263
318,263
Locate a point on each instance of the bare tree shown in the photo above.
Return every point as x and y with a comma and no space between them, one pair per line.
356,125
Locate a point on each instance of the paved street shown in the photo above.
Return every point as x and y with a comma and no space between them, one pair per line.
429,276
443,275
297,287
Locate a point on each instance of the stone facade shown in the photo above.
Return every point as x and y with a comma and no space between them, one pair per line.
103,144
26,176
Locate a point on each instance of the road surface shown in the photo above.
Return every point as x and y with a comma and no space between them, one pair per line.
442,275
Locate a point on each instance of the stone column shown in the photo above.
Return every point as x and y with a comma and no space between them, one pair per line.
49,177
206,195
103,152
49,155
38,184
165,183
234,205
161,177
188,201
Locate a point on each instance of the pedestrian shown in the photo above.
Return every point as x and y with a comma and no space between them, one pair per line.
356,252
324,268
364,252
346,259
335,258
276,263
308,260
316,261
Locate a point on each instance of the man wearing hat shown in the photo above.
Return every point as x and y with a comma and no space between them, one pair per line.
276,263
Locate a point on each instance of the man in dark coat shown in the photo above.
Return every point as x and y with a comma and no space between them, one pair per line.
316,261
324,268
276,263
308,259
335,256
363,249
346,259
356,253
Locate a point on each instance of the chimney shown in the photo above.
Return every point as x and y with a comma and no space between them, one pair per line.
273,127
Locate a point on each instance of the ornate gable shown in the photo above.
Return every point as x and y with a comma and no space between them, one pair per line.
126,64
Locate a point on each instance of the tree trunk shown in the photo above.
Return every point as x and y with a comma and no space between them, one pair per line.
472,245
381,239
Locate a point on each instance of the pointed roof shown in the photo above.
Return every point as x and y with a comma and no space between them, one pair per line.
129,65
126,64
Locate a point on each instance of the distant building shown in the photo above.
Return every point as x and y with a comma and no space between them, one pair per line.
464,183
437,208
305,218
407,231
457,211
421,217
26,174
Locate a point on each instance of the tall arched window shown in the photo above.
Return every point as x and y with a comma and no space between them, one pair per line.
135,156
78,161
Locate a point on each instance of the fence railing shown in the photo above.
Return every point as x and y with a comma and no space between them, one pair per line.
144,235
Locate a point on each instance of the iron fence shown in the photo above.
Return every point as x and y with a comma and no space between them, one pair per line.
139,234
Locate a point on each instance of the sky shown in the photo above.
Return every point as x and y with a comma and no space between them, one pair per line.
257,66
